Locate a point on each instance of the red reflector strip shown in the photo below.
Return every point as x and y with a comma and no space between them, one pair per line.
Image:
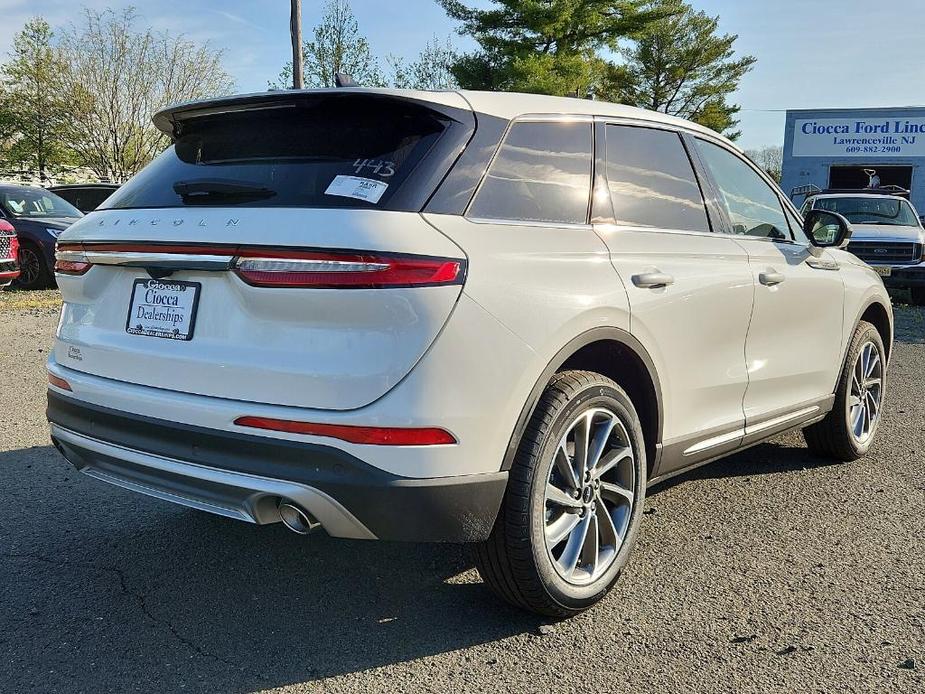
58,382
374,436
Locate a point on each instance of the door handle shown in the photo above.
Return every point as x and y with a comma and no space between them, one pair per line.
652,280
770,278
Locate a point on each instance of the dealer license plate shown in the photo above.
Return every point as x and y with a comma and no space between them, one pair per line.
163,308
883,271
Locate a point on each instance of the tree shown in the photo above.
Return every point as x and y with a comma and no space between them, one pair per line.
544,46
431,70
681,66
336,46
771,159
117,77
32,112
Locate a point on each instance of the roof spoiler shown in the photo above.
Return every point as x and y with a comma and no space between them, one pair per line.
170,120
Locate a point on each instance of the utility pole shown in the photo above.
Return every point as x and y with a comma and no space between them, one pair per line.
295,29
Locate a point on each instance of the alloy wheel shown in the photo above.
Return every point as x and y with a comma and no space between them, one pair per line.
589,496
866,395
29,266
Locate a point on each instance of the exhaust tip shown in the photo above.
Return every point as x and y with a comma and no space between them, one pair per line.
295,519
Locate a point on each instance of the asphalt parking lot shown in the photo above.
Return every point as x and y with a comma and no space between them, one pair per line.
768,571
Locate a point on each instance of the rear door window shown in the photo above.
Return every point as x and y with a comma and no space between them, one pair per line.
541,173
652,181
333,152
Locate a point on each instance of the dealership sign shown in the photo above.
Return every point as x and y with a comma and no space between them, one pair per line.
859,137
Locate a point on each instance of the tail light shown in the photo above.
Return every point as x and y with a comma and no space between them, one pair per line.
261,267
345,270
71,262
374,436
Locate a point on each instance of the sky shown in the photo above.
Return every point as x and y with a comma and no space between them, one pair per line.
811,53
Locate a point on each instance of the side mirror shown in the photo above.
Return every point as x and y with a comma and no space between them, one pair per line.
827,229
922,220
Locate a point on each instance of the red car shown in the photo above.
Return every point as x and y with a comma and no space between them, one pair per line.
9,252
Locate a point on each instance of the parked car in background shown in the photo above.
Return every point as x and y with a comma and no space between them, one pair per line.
9,254
86,197
38,215
888,235
465,317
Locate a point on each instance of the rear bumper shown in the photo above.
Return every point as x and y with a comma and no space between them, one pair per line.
244,477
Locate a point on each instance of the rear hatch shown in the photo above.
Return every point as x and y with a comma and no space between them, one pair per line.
273,254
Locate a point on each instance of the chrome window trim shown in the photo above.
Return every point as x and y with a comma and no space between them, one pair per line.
553,118
529,223
607,226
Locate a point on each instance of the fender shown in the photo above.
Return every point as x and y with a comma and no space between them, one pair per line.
575,344
888,343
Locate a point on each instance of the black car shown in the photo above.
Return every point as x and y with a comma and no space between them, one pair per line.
86,197
39,216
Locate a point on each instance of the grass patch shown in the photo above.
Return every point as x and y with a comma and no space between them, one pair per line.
21,300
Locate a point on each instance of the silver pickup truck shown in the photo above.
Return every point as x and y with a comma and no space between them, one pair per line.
888,234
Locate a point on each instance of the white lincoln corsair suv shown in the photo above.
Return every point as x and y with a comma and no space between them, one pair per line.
454,316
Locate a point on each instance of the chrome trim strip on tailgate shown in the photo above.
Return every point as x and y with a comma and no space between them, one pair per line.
171,260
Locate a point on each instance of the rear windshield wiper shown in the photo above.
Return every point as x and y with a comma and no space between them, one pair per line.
205,188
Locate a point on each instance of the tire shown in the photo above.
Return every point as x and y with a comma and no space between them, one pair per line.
34,273
836,436
917,296
515,561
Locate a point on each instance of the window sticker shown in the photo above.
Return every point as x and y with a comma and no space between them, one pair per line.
355,187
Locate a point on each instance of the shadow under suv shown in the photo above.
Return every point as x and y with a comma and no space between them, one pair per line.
454,316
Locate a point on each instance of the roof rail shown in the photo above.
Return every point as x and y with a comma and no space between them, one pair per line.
805,191
882,190
810,190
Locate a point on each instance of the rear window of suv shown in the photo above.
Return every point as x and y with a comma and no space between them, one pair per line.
335,152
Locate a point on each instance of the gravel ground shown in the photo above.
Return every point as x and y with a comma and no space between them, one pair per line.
768,571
